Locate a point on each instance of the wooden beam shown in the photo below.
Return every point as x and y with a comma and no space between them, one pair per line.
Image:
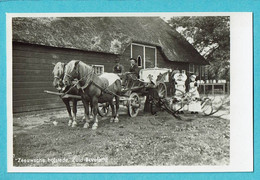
62,94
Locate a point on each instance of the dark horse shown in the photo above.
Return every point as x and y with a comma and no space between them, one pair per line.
58,73
94,88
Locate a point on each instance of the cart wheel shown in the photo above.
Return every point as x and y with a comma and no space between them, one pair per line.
133,105
207,106
103,109
162,90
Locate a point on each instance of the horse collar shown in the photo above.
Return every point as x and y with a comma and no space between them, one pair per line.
89,80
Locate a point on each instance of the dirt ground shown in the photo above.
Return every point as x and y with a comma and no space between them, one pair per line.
143,140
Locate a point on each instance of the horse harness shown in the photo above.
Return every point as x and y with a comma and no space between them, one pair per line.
59,78
78,81
89,82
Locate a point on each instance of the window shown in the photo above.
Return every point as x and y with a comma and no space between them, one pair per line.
197,70
191,68
203,71
150,57
145,55
206,71
98,69
137,52
139,61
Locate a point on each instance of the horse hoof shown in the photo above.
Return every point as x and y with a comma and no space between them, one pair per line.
55,123
74,124
86,125
90,117
94,127
70,123
116,120
111,120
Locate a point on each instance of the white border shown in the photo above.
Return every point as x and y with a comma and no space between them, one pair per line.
241,121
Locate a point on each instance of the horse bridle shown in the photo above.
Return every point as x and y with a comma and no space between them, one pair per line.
87,83
66,74
57,77
61,76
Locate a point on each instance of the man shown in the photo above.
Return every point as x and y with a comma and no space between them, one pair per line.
151,96
118,68
134,68
132,75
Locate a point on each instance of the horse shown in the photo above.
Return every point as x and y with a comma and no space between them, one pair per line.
58,72
94,89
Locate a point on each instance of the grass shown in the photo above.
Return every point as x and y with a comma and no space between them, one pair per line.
143,140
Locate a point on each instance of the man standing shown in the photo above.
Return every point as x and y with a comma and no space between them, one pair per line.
151,96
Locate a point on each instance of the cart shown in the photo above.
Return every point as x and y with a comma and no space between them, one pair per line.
131,95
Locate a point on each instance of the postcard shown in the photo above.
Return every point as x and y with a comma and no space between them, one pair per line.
129,92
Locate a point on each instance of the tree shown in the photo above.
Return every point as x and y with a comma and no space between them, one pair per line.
210,35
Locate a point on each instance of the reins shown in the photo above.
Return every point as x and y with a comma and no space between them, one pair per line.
88,82
66,74
105,90
57,77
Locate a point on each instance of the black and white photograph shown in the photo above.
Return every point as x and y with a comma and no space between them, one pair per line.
124,90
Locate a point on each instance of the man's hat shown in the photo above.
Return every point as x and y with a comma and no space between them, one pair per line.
133,59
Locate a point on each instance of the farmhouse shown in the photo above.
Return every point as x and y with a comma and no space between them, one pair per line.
98,41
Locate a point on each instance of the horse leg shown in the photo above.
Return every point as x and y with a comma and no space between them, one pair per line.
95,111
86,107
67,103
91,112
84,114
117,108
113,110
87,115
74,124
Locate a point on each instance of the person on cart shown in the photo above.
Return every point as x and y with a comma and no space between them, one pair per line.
132,75
118,68
194,106
134,70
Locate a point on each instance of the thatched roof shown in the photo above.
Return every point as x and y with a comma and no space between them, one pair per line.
105,34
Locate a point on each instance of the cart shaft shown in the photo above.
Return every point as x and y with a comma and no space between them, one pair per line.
62,94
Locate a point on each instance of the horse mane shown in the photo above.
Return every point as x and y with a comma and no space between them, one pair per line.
82,67
58,69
